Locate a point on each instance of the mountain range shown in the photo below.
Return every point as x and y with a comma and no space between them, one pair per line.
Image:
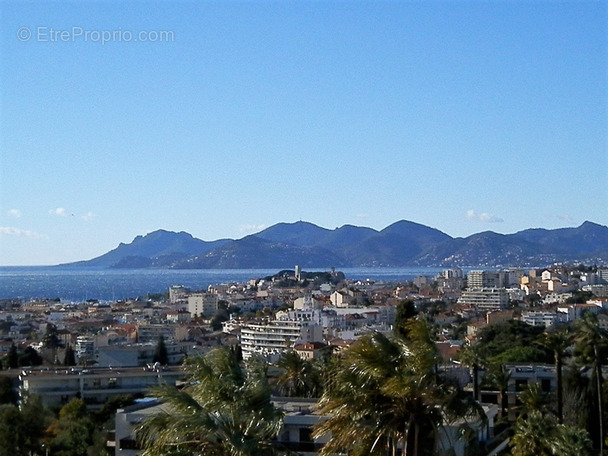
402,244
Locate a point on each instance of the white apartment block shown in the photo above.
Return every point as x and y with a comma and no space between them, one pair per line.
546,319
270,340
150,333
307,302
94,386
203,304
485,299
177,293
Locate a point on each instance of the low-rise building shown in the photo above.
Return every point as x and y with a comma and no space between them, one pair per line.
95,385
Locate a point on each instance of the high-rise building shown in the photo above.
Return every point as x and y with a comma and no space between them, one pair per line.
203,304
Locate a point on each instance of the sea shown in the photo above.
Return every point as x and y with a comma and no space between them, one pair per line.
82,284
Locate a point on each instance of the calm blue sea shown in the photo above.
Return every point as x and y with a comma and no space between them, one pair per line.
77,285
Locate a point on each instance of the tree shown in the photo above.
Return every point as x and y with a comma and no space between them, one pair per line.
30,357
225,410
8,395
69,358
405,311
220,316
50,339
592,347
529,437
73,431
540,435
298,377
12,358
21,431
558,342
471,357
160,353
383,395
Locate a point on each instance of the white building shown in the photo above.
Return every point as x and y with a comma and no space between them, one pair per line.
307,302
94,386
203,304
178,293
546,319
270,340
485,299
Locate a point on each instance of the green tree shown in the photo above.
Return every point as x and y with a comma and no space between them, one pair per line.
73,431
511,341
498,377
220,316
558,342
298,377
383,396
50,339
160,353
69,358
8,395
21,431
225,410
11,436
529,436
30,357
540,435
472,357
592,347
12,358
405,311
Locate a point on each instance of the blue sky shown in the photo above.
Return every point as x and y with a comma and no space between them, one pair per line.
233,116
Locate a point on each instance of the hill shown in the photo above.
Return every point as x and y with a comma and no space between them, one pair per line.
401,244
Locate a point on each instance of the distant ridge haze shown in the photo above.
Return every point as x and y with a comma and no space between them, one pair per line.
401,244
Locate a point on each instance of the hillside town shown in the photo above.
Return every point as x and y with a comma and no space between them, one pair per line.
100,352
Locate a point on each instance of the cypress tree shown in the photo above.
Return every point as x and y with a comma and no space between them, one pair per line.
160,354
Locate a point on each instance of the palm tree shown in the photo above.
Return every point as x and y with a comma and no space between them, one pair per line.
593,341
570,441
498,377
471,357
530,436
383,396
532,400
298,377
558,342
225,410
539,435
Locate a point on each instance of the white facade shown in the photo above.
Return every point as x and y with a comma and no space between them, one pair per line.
93,386
307,302
203,304
546,319
272,339
485,299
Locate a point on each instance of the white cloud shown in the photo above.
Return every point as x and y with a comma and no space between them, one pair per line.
88,216
483,217
60,211
16,213
250,229
564,218
17,232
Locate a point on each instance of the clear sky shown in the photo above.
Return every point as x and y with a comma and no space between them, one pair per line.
222,118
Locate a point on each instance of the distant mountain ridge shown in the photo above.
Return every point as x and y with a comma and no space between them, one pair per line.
401,244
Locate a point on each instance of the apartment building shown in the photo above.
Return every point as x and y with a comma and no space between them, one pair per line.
203,304
270,340
485,299
94,386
